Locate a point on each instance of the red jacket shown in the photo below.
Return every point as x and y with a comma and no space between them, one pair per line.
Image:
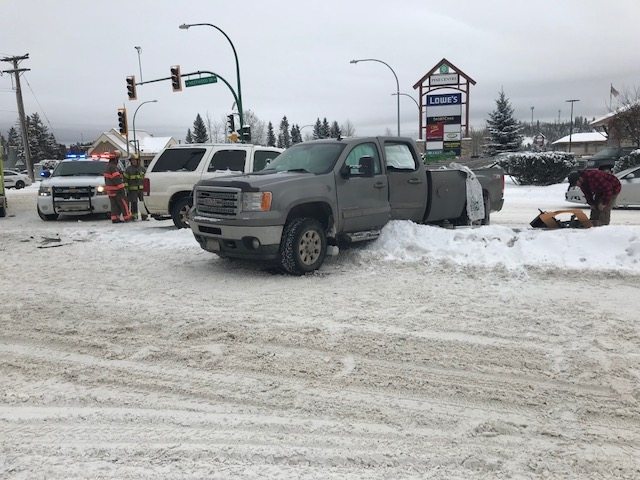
599,187
113,180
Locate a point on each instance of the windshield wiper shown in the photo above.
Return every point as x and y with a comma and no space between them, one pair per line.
300,170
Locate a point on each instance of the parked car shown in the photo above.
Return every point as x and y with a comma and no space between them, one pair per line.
629,193
17,180
605,159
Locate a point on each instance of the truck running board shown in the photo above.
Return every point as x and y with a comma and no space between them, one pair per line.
362,236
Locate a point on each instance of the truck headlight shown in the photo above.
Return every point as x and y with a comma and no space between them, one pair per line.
44,191
256,201
100,190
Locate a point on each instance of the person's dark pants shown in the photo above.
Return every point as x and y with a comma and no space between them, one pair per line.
602,217
133,198
119,206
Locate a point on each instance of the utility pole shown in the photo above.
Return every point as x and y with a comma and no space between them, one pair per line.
532,119
23,120
572,101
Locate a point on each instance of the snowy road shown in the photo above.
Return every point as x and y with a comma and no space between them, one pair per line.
127,352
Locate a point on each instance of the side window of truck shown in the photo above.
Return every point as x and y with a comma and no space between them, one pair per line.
399,157
359,151
179,160
228,160
261,158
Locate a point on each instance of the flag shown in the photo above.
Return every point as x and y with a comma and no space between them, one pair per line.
614,92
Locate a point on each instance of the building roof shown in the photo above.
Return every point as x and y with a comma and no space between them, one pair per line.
583,137
605,119
148,144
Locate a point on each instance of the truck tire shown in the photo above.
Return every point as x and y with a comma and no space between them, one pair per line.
180,212
47,217
487,211
303,246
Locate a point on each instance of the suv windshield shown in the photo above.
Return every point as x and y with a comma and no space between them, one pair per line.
312,158
608,152
78,168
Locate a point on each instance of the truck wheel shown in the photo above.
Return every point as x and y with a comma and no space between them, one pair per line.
47,217
487,211
180,212
303,246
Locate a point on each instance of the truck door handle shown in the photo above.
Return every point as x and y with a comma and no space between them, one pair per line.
414,180
378,185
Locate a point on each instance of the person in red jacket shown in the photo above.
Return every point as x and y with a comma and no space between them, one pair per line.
114,185
600,190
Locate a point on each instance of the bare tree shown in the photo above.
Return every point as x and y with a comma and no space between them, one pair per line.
347,128
258,128
625,124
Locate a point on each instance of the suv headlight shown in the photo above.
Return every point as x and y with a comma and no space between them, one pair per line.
100,190
591,163
44,191
256,201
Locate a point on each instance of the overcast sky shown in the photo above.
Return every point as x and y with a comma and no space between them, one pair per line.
294,58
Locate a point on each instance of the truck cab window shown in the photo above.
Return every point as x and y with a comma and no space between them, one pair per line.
359,151
399,157
233,160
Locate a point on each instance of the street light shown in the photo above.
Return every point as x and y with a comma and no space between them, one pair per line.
186,26
394,74
135,143
572,101
139,49
414,101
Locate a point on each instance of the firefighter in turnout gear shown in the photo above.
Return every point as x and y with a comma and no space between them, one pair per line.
133,182
114,185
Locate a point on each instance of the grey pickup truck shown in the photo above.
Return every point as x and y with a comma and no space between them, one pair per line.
330,192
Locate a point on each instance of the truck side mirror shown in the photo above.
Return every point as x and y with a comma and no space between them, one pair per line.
366,166
345,171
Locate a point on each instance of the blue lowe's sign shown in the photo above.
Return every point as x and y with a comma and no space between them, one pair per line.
444,99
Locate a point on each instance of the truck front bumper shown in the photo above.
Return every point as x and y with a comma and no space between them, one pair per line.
250,242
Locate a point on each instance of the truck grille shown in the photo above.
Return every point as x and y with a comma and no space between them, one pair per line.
215,202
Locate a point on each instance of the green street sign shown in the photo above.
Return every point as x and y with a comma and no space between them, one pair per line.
200,81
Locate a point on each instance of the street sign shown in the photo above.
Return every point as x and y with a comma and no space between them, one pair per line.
200,81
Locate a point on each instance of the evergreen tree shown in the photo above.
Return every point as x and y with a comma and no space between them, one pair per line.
504,130
189,137
199,130
335,131
284,137
325,129
317,130
271,137
296,136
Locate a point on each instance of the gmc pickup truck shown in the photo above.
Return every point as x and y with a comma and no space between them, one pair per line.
330,192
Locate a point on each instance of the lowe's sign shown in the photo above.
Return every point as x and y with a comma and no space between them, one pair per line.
444,99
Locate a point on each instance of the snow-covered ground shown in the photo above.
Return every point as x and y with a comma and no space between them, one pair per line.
495,352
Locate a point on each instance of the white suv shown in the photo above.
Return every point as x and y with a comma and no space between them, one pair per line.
76,187
17,180
172,174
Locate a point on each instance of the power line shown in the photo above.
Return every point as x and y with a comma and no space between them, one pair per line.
38,102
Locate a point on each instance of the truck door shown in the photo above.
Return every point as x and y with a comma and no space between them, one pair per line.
363,202
408,187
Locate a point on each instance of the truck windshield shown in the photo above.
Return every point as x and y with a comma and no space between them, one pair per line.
78,168
312,158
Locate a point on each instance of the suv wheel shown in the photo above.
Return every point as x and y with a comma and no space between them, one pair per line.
180,212
47,217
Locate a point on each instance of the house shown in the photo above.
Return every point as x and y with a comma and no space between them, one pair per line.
148,145
584,143
605,124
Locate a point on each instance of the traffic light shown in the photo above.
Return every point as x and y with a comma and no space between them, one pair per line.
176,80
231,124
131,88
245,134
122,120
